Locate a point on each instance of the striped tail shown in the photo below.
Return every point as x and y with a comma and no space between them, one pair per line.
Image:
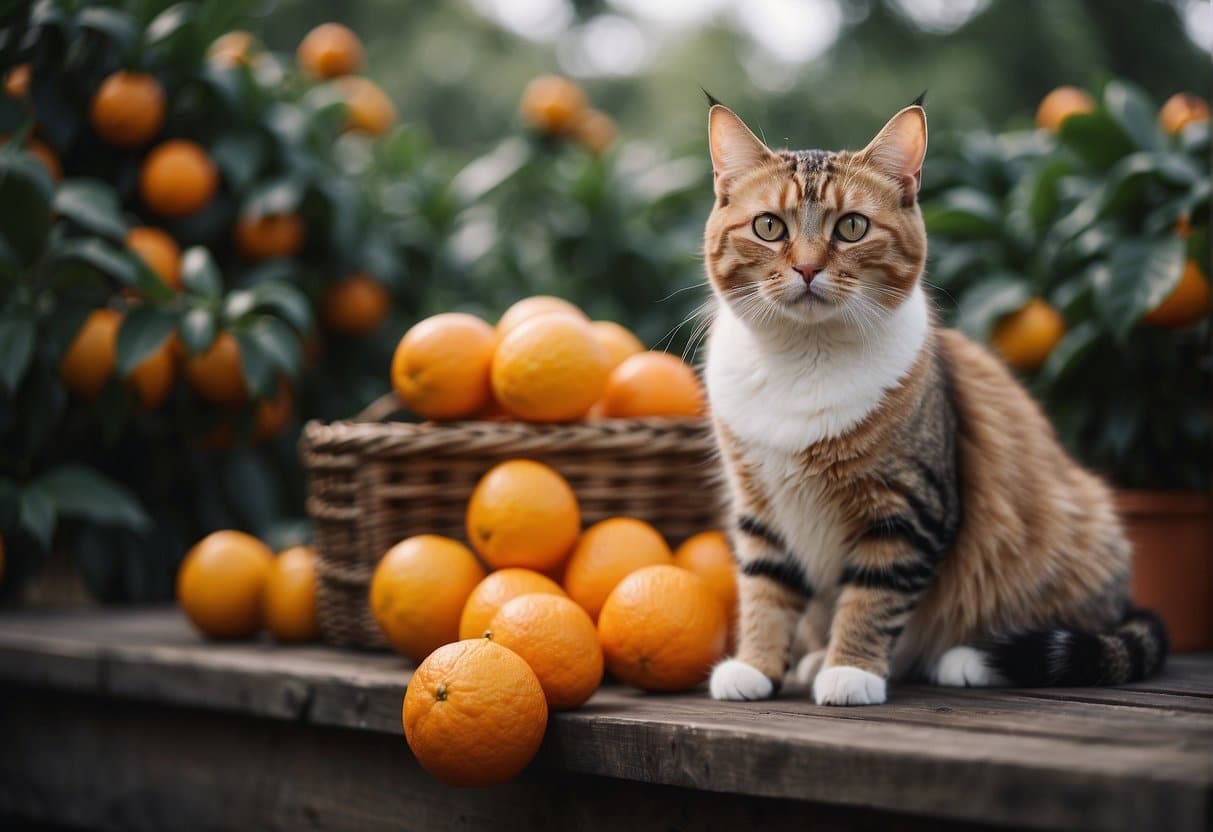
1135,650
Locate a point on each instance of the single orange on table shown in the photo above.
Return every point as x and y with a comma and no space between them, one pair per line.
221,583
652,384
523,513
607,553
330,50
216,374
178,178
550,369
441,367
355,305
269,236
533,307
159,251
127,110
557,638
618,341
494,591
289,603
1025,338
709,555
419,590
661,629
474,713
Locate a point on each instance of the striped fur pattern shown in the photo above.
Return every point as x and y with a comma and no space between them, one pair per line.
899,504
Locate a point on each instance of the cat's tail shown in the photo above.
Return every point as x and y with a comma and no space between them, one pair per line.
1134,650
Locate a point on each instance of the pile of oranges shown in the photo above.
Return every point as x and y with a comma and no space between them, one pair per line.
525,620
179,179
545,361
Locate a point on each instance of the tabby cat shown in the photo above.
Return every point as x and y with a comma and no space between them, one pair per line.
900,506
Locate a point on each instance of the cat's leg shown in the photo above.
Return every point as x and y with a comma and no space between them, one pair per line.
772,593
884,582
811,638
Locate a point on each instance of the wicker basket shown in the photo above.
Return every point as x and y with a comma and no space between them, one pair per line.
371,484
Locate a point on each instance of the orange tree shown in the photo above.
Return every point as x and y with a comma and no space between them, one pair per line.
185,225
1080,250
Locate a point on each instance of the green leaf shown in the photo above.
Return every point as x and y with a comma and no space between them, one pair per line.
1134,113
93,205
964,212
279,342
26,191
258,366
200,274
77,491
117,25
36,513
1141,274
981,307
285,301
1067,355
1095,137
169,23
16,350
102,256
197,329
143,331
278,196
239,155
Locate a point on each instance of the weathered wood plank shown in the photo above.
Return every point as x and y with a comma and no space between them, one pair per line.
1100,759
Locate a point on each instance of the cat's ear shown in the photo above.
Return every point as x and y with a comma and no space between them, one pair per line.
735,149
899,148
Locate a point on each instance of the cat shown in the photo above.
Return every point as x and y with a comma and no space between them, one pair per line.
899,505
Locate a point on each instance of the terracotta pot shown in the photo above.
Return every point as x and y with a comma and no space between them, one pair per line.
1173,561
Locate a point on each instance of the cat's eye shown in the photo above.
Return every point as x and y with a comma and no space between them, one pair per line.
851,228
770,228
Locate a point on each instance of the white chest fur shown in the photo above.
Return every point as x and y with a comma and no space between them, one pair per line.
780,392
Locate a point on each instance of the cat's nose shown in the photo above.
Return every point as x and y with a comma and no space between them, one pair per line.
808,271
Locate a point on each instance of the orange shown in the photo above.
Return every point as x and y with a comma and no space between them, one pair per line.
367,107
89,361
662,629
178,178
152,380
289,604
128,109
596,131
217,375
652,384
522,513
709,556
273,415
232,49
607,553
16,83
355,305
418,592
159,251
549,369
474,713
558,640
552,104
441,366
1187,303
221,581
498,588
330,50
1060,104
1180,110
533,307
1025,338
269,236
618,341
42,151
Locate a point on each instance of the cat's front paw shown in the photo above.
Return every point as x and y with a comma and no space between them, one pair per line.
844,685
964,667
735,680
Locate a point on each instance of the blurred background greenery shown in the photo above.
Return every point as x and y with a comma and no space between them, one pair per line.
459,205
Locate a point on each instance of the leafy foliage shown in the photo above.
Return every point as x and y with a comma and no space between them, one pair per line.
1100,221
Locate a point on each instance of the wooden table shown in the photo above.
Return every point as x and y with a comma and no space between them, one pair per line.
127,719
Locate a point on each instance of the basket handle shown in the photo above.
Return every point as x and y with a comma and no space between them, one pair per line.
380,409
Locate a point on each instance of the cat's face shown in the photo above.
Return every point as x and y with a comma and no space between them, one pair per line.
804,237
